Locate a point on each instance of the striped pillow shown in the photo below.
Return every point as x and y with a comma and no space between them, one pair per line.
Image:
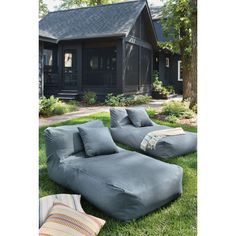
46,203
65,221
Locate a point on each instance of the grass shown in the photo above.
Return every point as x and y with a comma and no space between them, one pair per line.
178,218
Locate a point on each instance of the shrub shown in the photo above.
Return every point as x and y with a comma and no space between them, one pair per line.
194,108
171,89
138,99
157,86
47,105
53,106
72,105
112,100
60,108
178,109
171,119
122,100
90,98
151,111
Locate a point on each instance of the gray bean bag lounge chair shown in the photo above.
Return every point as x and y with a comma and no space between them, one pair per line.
126,185
124,132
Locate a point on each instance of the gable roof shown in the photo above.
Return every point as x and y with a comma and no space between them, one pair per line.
159,32
156,12
91,22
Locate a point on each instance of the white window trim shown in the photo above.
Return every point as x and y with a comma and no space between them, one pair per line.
179,79
167,62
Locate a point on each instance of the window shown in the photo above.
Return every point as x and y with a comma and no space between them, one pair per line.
68,59
47,57
180,71
93,63
167,62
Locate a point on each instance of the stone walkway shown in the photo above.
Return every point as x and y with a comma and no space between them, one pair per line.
84,111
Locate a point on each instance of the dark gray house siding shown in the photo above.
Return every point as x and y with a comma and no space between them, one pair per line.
168,75
40,69
120,62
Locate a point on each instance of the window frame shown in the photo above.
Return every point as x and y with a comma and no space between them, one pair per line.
167,62
46,55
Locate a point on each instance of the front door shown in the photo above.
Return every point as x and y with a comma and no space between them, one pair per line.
70,71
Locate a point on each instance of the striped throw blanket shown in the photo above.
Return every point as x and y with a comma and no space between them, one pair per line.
150,140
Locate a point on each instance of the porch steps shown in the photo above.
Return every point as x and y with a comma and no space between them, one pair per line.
68,95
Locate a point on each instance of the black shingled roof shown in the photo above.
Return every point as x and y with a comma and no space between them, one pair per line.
91,22
156,12
159,32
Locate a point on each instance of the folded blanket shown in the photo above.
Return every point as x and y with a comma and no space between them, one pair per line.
150,140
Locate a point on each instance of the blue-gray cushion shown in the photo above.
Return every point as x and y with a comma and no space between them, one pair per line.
139,117
97,141
119,117
63,141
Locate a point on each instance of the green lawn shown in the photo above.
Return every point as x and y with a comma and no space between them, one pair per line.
178,218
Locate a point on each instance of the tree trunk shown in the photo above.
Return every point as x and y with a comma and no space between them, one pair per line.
186,72
193,97
187,86
190,63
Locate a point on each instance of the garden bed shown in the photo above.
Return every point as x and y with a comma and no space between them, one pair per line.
192,122
157,95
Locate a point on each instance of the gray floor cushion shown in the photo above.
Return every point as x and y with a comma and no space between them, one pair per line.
166,148
139,117
97,141
125,185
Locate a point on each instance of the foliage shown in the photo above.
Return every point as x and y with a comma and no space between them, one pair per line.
67,4
53,106
138,99
151,112
112,100
170,89
90,98
157,86
179,23
47,105
176,24
122,100
177,109
43,9
179,216
194,108
171,119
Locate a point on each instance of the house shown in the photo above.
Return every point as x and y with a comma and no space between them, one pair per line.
167,64
105,49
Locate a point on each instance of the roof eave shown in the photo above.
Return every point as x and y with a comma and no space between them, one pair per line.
94,37
47,39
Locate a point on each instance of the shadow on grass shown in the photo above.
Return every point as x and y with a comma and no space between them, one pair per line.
47,186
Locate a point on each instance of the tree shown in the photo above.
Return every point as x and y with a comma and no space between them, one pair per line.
180,23
43,9
67,4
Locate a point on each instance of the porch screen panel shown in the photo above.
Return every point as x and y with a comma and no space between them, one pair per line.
145,66
99,66
50,66
132,68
